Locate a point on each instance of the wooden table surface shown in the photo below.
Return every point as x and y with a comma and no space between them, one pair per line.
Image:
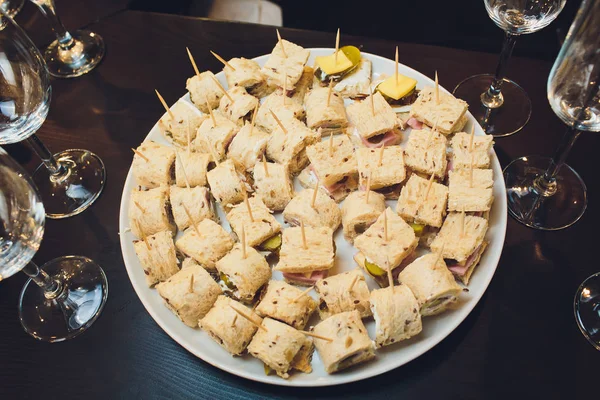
520,341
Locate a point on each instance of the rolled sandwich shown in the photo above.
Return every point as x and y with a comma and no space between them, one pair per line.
150,212
225,184
325,211
336,296
432,284
240,107
302,86
189,294
329,118
289,148
421,204
358,215
153,165
259,227
425,152
282,302
351,344
285,64
387,175
396,313
196,201
243,276
208,248
282,106
463,151
195,168
272,184
447,114
377,128
247,75
357,84
248,146
470,190
157,257
215,139
226,327
203,88
181,129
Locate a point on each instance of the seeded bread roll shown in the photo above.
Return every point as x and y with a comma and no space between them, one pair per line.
196,201
150,212
396,313
275,190
158,166
330,118
277,302
432,284
277,345
157,257
420,205
216,137
290,148
248,147
470,191
462,151
203,88
324,213
369,124
318,255
225,184
212,244
351,344
189,294
285,64
240,106
183,128
258,228
425,152
447,114
336,296
282,106
358,215
226,327
247,275
247,75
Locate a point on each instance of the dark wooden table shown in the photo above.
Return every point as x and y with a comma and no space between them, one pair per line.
520,341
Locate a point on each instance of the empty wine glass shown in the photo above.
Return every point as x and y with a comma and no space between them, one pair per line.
69,181
65,296
71,54
587,309
11,7
546,193
500,105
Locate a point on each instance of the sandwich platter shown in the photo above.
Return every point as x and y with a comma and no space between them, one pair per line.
434,328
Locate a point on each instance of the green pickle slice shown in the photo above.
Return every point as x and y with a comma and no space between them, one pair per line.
273,244
268,369
418,228
374,269
226,280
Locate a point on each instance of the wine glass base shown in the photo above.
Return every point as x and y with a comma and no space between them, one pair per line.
505,120
529,206
76,188
587,309
75,309
86,52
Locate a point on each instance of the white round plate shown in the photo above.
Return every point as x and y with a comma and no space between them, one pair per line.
435,329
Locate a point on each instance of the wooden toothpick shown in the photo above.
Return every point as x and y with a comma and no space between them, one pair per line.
218,57
210,111
380,161
211,150
191,288
368,187
139,153
139,206
247,202
352,283
284,85
331,145
244,254
329,92
428,187
437,90
234,319
164,103
372,103
471,172
317,336
189,138
142,234
193,61
187,212
337,45
281,43
471,138
314,196
247,317
396,65
304,245
264,162
278,122
301,295
185,178
385,226
253,118
221,88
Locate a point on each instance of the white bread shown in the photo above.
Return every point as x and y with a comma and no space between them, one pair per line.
284,109
447,113
462,151
456,246
464,196
289,149
358,215
248,274
158,168
247,75
414,207
425,152
215,137
196,200
150,212
330,118
263,227
332,167
225,184
318,255
290,64
212,244
241,106
183,128
368,124
195,167
203,88
324,213
277,302
157,257
336,297
248,146
391,171
275,190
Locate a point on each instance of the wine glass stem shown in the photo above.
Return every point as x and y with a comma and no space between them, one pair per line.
492,98
65,41
57,170
545,184
52,288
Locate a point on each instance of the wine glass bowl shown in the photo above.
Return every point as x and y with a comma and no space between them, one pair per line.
523,16
586,307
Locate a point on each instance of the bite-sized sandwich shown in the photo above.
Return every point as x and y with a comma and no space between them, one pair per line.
204,88
190,293
248,146
425,152
195,166
387,175
463,151
154,165
358,215
208,248
283,302
247,75
374,129
398,90
150,212
240,107
470,193
304,84
226,327
432,284
377,254
302,265
215,139
289,148
225,184
196,201
259,226
272,184
350,343
157,256
325,211
422,202
357,84
243,276
462,243
277,345
282,106
308,179
330,118
285,64
181,129
333,163
337,65
447,114
336,296
396,313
